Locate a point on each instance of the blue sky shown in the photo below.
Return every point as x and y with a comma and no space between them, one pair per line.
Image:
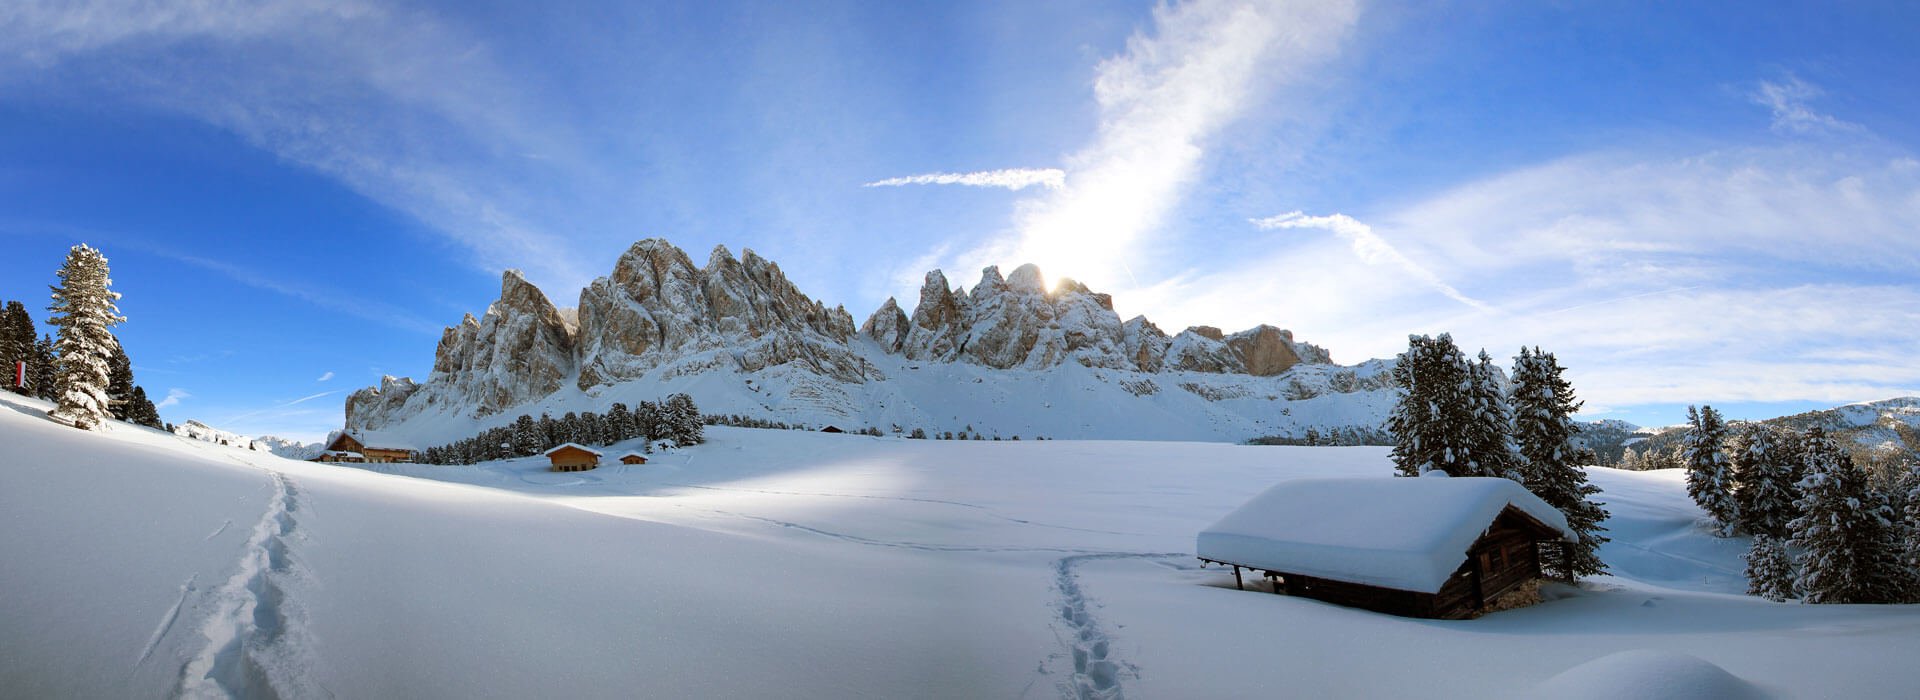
1687,202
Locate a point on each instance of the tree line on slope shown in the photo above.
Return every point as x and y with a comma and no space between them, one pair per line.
1823,531
1453,416
675,420
82,367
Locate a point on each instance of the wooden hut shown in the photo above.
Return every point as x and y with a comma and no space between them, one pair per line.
367,446
1425,547
832,429
573,457
633,458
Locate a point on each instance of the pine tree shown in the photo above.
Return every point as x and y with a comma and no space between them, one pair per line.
1910,525
528,438
1492,451
84,313
1763,481
16,343
1845,531
1770,572
1429,422
1708,479
683,419
620,423
43,374
140,409
119,382
1543,408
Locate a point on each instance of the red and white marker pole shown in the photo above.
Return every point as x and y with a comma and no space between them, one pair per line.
20,375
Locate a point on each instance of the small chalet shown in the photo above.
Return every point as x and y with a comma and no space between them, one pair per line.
1421,547
367,446
573,457
633,458
832,429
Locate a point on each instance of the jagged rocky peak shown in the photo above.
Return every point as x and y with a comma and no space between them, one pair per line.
657,307
376,405
1017,321
522,347
888,326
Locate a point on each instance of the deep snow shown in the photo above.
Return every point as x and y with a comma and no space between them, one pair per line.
786,564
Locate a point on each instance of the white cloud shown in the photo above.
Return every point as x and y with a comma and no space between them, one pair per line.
1789,98
325,377
1369,246
1757,274
1160,100
1013,179
173,398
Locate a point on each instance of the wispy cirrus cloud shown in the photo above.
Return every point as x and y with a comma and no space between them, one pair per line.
325,377
378,312
1790,100
1743,274
173,398
394,103
1015,179
1370,247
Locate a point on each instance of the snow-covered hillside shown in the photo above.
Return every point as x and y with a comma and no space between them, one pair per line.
283,447
1010,356
800,564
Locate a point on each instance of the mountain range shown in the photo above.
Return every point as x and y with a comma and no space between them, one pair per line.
1009,356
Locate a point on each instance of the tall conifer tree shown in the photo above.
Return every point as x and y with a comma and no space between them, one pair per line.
1763,480
1429,421
1543,427
1708,478
1845,532
84,312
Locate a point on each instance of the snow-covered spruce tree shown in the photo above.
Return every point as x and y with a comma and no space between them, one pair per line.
1770,572
1543,428
1429,423
1845,532
620,422
528,438
1709,481
683,417
1491,449
84,313
1910,521
1763,480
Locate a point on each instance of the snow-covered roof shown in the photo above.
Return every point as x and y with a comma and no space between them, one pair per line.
573,445
631,453
1405,534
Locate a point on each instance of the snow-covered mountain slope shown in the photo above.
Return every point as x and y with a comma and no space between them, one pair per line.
798,564
1878,433
280,446
1008,357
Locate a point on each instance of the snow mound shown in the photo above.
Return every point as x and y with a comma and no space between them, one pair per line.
1405,534
1646,674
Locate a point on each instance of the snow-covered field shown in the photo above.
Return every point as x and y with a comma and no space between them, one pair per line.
784,564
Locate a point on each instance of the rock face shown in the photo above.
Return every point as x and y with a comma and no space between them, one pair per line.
522,347
1015,321
657,307
657,311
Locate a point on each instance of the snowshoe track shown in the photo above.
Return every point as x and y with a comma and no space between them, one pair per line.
257,641
1096,673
